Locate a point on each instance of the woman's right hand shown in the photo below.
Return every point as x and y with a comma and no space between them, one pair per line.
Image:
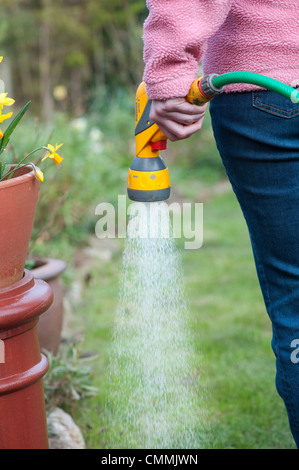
177,118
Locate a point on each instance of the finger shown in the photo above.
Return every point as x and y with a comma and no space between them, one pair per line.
185,119
175,131
168,131
181,105
184,132
170,108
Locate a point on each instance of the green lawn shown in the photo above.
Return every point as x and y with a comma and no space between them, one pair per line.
230,328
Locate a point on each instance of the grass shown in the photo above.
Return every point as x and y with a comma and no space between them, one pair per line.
230,327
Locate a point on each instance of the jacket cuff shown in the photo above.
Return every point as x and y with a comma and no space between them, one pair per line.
170,88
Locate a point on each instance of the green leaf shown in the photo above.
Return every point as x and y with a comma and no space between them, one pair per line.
29,264
4,168
12,127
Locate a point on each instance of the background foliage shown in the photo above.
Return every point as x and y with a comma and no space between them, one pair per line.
64,53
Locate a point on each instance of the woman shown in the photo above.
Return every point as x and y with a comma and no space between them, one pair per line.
256,131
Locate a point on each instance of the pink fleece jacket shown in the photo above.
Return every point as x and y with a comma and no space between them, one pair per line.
259,36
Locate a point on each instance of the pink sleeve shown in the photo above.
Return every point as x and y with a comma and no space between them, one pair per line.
175,34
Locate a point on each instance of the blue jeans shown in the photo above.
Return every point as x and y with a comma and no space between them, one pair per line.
257,135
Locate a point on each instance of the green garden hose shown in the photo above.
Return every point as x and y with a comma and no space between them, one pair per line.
257,79
212,85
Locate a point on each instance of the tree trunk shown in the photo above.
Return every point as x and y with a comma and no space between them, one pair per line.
47,104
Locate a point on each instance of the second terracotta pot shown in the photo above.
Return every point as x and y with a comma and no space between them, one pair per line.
51,322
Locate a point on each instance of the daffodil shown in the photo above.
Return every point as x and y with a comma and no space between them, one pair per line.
53,153
5,101
3,117
38,173
5,137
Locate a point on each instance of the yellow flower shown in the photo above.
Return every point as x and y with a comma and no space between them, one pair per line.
53,153
4,101
5,116
1,58
38,173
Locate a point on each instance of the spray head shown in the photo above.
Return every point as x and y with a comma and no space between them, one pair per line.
148,178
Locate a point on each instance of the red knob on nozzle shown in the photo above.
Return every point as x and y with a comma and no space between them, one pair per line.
160,145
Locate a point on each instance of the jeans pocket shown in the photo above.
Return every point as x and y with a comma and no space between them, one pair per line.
275,104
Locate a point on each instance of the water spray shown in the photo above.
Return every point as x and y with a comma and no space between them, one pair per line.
148,178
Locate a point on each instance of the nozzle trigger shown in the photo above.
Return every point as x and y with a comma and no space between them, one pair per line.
160,145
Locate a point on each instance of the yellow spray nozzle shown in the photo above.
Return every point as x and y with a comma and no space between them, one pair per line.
148,178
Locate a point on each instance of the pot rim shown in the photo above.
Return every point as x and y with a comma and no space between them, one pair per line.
21,302
49,269
29,175
26,282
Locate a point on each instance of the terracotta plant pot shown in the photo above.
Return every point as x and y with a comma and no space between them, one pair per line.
50,323
22,366
18,202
